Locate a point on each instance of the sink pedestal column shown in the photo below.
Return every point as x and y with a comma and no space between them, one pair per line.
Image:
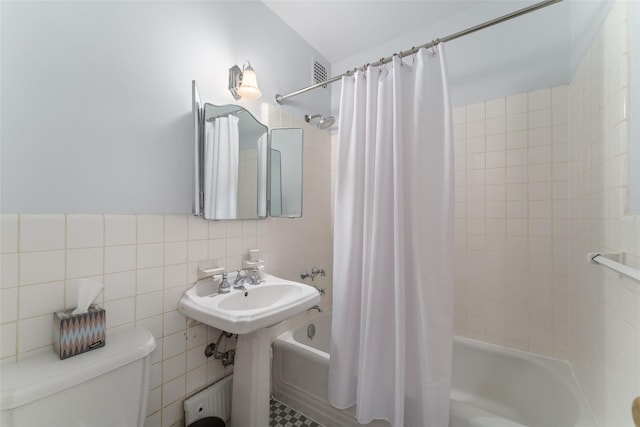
251,380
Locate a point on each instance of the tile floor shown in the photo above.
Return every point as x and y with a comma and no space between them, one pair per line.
284,416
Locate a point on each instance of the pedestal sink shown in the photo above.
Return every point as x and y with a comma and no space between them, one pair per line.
247,313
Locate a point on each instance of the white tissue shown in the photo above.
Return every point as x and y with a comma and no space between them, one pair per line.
88,291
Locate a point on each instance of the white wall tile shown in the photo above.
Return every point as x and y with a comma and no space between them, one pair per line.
119,285
516,227
173,367
173,414
120,312
495,108
149,228
8,233
119,258
542,136
119,230
151,255
597,181
8,341
85,231
475,112
8,270
174,345
8,305
35,333
84,262
539,118
173,322
173,391
516,122
495,142
517,104
175,253
39,267
42,232
175,276
517,139
38,300
459,115
539,99
198,250
148,305
476,129
175,228
171,297
150,280
198,228
517,157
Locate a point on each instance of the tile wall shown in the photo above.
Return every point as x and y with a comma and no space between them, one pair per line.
604,307
146,262
511,221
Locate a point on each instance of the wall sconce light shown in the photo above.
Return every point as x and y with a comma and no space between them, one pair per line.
243,83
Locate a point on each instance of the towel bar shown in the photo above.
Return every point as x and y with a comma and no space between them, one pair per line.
605,259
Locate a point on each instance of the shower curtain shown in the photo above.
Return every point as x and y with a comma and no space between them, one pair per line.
392,322
221,155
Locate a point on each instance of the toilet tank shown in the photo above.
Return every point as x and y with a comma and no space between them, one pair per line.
106,387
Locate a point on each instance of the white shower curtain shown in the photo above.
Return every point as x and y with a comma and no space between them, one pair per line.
391,334
221,155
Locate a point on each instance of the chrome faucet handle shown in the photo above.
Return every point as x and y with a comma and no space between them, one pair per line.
304,274
255,276
315,271
224,287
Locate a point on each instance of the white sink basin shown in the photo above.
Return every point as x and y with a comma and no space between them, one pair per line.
243,312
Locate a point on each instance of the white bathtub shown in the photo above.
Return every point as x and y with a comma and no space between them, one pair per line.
492,386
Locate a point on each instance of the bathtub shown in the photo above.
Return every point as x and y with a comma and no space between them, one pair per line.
492,386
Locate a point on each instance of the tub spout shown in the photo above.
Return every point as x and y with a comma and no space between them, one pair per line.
315,307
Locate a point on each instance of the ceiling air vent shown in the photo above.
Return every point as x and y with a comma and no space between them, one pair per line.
319,72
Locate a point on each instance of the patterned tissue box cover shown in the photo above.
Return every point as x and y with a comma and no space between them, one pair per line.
77,334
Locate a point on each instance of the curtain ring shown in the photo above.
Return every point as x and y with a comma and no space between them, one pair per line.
401,61
436,42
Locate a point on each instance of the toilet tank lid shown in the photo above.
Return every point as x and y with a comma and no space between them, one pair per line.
43,374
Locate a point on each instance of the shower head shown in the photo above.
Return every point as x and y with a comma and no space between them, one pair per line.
323,123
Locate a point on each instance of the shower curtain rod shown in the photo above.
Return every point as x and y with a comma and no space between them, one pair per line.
381,61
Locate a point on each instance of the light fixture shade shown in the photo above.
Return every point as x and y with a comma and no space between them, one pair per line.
248,88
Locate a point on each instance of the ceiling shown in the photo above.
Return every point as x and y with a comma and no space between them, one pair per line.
539,50
339,28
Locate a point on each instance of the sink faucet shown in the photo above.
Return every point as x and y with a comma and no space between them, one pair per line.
240,280
252,277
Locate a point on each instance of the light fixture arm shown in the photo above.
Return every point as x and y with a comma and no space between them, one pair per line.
235,79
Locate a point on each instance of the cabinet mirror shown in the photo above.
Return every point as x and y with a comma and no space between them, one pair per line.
233,152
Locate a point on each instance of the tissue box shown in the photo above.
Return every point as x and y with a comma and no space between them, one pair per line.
79,333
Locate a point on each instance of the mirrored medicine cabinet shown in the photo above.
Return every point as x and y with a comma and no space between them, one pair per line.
243,170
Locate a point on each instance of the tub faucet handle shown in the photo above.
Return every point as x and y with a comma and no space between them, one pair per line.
315,271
